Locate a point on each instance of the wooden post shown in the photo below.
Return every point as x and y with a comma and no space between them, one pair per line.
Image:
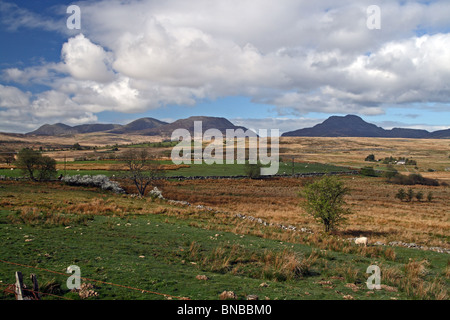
22,293
292,166
36,293
19,285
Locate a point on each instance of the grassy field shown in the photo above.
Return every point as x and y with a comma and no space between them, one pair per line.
377,213
431,154
147,249
111,167
131,248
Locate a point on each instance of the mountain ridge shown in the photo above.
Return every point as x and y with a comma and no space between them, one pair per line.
143,126
334,126
354,126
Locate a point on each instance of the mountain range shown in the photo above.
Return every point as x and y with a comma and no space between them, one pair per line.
354,126
335,126
143,126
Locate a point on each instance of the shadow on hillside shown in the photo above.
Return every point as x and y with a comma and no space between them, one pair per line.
362,233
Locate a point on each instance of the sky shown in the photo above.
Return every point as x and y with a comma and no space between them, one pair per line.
262,64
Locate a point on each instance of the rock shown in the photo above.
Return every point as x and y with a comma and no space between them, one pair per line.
252,297
201,277
156,193
388,288
228,295
86,291
100,181
352,286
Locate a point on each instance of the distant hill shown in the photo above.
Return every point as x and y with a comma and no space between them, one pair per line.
335,126
53,130
139,125
354,126
407,133
441,134
143,126
207,123
348,126
59,129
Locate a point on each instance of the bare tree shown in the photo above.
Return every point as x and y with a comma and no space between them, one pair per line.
7,157
142,169
35,165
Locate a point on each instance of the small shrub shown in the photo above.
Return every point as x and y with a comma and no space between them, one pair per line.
419,196
409,195
401,194
253,170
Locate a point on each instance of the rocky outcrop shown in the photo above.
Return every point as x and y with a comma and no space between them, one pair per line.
100,181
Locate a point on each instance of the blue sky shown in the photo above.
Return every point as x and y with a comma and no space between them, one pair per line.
276,65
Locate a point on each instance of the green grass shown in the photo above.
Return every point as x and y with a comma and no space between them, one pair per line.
165,252
109,250
197,169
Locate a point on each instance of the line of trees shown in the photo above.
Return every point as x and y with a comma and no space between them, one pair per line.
409,195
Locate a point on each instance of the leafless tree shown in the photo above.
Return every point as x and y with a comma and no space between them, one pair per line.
141,169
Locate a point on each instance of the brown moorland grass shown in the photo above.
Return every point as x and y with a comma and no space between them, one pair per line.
429,153
376,212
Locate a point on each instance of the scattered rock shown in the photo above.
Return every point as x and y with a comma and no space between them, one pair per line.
228,295
201,277
388,288
100,181
86,291
348,297
352,286
156,193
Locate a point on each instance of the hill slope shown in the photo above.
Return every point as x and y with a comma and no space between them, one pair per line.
221,124
139,125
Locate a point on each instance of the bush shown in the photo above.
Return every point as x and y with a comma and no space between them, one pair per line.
390,172
409,195
36,166
369,172
401,195
370,157
414,179
325,201
419,196
253,170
